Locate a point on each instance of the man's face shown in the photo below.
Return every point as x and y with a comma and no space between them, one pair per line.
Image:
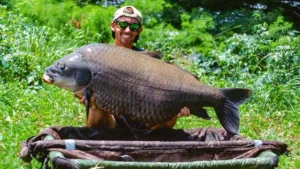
125,37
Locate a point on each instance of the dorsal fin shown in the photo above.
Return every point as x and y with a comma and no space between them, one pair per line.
156,54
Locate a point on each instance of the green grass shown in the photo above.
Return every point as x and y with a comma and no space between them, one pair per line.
26,116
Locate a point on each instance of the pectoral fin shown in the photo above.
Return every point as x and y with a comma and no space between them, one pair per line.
87,102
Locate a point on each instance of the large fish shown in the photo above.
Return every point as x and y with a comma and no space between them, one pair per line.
142,88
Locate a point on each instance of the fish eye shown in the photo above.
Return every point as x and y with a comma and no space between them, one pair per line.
62,66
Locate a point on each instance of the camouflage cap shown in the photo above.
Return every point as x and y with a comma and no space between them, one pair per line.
129,11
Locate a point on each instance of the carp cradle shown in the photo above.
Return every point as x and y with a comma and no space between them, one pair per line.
204,148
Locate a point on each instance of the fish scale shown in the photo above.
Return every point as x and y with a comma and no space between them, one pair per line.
142,88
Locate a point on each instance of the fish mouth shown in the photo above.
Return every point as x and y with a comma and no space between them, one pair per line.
69,86
48,79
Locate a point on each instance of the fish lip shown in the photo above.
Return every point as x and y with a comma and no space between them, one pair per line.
48,79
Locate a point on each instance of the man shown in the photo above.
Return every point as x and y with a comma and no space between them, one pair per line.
126,28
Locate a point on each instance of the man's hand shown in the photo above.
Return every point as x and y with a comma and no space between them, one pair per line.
184,112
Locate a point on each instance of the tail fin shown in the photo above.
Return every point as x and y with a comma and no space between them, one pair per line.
228,113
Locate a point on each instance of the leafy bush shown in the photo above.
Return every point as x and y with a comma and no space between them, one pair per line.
17,50
67,16
24,48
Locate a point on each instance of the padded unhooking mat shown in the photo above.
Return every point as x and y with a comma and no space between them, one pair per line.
204,148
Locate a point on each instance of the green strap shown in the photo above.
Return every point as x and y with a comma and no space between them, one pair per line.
265,161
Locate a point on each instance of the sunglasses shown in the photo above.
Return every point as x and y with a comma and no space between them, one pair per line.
132,26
